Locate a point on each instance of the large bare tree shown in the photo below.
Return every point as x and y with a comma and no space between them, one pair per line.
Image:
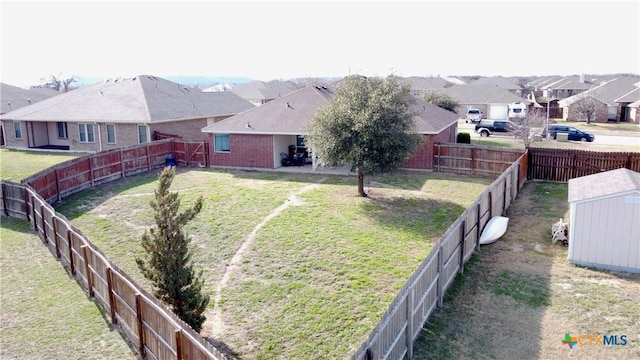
526,126
587,107
59,82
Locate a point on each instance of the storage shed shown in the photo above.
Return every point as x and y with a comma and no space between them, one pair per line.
604,223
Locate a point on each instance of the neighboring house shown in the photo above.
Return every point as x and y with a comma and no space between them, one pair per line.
604,221
562,87
491,100
502,82
606,95
257,138
627,110
118,112
13,98
259,92
421,85
634,112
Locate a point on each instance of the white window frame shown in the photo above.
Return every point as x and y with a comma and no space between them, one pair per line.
146,133
17,130
90,136
228,143
114,133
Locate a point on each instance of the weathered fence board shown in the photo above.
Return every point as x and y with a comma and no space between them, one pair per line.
565,164
155,330
398,328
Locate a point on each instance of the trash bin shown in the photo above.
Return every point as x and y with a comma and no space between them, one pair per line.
562,137
170,161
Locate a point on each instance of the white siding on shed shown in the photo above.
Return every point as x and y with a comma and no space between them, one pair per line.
605,220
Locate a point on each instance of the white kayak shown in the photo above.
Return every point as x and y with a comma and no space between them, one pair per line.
495,228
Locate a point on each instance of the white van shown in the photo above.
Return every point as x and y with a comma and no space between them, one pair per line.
473,116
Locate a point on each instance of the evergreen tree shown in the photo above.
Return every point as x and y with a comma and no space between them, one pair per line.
168,258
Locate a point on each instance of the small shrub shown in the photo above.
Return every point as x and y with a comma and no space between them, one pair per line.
464,138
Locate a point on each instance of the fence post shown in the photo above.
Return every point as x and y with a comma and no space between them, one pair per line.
121,165
4,199
504,202
410,325
463,230
478,221
72,266
490,196
179,354
91,170
85,252
140,326
56,241
440,283
44,226
55,172
112,298
148,158
26,202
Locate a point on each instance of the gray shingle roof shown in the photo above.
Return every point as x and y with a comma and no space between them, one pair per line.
603,184
290,115
426,83
630,97
13,97
607,92
258,90
482,94
499,81
141,99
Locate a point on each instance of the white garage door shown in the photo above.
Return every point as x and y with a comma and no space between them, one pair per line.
498,112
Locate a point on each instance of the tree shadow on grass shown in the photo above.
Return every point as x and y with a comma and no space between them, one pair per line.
424,218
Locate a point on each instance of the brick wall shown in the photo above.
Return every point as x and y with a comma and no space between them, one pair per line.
246,151
423,158
9,134
602,113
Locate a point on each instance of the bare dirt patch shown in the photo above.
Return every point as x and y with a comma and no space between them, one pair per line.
519,296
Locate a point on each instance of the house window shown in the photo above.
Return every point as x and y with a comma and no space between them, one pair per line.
17,129
111,134
143,134
86,133
63,132
221,142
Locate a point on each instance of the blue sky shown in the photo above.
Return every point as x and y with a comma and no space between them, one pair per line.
279,40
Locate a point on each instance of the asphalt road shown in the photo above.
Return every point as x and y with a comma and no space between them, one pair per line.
602,137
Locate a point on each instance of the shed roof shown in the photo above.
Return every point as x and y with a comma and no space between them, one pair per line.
603,184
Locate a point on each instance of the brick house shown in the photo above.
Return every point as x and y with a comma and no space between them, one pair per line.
258,138
613,98
14,97
116,113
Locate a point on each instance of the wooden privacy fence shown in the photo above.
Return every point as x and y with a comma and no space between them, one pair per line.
399,327
66,178
155,331
469,159
563,165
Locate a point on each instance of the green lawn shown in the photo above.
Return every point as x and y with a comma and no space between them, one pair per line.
44,314
16,165
317,277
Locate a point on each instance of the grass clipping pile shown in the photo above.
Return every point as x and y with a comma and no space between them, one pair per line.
519,296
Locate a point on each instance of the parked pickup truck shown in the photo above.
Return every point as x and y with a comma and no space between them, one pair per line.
486,127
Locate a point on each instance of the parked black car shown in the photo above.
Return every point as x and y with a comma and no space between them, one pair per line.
486,127
573,133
